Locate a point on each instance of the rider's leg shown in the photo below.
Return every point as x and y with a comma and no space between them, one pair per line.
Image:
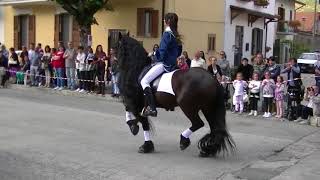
153,73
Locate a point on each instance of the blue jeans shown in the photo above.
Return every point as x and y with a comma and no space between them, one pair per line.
114,79
70,73
59,76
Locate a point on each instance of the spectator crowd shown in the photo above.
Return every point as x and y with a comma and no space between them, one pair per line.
81,69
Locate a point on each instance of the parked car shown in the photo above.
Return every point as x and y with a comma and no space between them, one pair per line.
306,61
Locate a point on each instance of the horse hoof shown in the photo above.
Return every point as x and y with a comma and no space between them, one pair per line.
184,142
147,147
203,154
134,128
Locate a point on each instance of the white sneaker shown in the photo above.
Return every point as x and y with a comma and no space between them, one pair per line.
56,88
82,91
269,115
251,113
78,90
255,113
60,89
265,114
304,122
298,120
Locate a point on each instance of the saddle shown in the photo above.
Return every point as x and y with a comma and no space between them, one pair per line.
155,83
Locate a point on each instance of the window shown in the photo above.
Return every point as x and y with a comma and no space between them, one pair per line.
147,22
24,30
66,29
291,15
257,41
211,42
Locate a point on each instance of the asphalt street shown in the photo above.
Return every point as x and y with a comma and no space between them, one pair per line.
55,136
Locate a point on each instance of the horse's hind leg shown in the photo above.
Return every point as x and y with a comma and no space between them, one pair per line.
148,146
193,115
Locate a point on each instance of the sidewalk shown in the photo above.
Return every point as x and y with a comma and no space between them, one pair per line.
65,92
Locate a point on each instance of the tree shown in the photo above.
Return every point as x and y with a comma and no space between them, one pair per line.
83,12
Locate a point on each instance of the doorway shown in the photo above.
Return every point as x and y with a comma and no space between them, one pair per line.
238,45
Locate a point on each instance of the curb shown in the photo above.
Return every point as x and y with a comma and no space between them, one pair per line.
64,92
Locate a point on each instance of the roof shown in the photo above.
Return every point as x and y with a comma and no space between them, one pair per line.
252,12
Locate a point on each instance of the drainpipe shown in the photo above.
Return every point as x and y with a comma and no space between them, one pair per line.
163,14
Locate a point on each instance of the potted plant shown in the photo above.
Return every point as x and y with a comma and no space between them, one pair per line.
261,2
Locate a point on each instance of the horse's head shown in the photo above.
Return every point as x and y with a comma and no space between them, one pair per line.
131,53
132,58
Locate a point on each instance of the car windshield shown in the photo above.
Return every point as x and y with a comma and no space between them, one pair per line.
308,56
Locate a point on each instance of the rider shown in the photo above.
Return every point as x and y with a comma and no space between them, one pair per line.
167,54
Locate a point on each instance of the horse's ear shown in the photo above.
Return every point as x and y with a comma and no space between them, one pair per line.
120,35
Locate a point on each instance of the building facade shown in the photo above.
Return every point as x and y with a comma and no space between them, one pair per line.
1,25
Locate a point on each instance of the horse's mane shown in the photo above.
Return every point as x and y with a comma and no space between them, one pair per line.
132,59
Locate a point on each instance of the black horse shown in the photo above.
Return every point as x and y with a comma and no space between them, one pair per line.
195,90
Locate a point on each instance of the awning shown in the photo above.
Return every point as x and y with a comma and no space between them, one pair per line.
252,14
20,2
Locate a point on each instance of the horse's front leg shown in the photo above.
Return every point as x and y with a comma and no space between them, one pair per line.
132,122
148,146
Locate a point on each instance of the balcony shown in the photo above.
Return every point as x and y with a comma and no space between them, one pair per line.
288,27
24,2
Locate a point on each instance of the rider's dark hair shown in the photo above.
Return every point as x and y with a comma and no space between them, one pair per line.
172,20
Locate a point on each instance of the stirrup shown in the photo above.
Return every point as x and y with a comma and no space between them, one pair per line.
147,111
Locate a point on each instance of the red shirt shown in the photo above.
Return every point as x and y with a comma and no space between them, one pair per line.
58,60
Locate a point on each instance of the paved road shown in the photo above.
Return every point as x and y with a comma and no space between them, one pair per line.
50,136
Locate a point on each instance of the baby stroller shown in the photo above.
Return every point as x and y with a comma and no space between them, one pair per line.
294,97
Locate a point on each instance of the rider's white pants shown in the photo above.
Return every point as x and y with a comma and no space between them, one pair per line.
153,73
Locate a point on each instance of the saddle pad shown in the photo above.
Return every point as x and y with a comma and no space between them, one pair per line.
165,84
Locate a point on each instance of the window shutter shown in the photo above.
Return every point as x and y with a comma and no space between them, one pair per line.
155,23
32,29
16,33
56,30
75,33
140,21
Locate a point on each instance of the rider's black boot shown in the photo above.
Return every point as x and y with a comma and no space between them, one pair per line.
151,109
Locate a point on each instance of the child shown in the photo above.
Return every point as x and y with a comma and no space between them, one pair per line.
254,87
268,87
279,96
239,87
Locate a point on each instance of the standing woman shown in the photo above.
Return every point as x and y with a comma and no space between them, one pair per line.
14,65
59,64
101,57
224,64
202,55
45,61
214,69
167,54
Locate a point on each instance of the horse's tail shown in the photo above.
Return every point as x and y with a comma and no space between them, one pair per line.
219,139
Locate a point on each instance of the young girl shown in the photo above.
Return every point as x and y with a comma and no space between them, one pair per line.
239,87
268,87
279,96
254,87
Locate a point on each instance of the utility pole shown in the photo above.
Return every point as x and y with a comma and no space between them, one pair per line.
315,18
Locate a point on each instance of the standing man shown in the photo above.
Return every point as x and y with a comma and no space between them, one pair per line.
246,69
317,73
70,58
34,64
